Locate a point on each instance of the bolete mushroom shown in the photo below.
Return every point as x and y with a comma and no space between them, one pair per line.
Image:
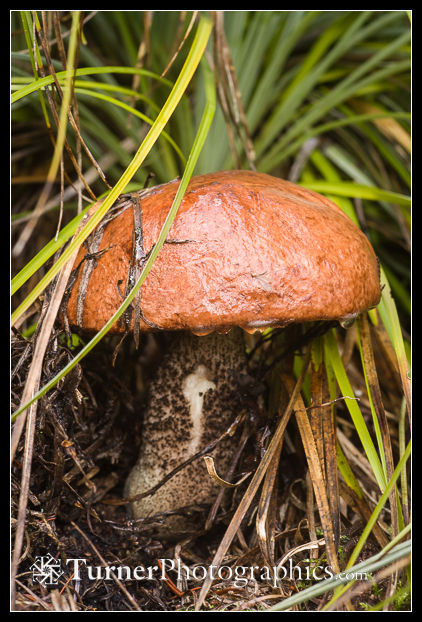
246,250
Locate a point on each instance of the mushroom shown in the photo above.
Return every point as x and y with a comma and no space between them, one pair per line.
246,251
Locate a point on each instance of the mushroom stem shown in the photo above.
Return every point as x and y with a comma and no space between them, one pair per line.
193,399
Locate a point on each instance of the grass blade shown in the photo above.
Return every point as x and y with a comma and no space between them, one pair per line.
375,514
354,190
193,157
332,354
191,63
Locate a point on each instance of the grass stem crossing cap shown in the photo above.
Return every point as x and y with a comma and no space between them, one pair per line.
245,249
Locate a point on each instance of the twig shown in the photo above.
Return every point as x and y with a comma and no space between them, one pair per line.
31,387
102,560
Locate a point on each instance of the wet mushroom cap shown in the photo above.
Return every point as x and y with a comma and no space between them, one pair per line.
245,249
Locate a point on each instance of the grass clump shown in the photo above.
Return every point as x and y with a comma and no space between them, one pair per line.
101,102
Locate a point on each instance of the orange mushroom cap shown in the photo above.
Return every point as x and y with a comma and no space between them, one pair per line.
249,250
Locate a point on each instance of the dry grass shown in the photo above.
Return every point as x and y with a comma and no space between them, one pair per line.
85,443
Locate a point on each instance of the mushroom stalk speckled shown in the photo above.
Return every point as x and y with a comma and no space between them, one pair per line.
193,399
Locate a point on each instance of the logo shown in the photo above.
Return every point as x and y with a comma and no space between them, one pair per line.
46,570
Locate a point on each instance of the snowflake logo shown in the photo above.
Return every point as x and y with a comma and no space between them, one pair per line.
46,570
